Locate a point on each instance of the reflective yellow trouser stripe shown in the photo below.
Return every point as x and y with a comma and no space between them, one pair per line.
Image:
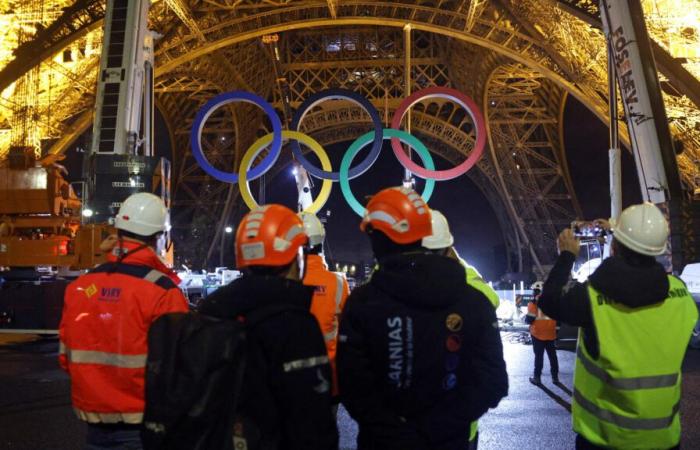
473,429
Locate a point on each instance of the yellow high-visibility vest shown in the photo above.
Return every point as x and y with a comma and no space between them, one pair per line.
629,396
475,280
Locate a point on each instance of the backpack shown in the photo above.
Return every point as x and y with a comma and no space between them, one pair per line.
194,374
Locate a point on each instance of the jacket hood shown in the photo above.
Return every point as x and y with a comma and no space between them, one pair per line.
254,291
633,286
422,279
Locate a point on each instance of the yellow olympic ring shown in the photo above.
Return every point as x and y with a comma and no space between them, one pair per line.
258,146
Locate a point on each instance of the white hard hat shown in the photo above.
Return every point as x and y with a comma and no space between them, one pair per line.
143,214
537,285
642,229
313,228
441,237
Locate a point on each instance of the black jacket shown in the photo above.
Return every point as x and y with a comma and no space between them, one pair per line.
419,356
633,286
286,398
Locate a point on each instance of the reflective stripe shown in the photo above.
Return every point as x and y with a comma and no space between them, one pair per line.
108,359
381,216
153,276
293,232
99,417
541,315
330,336
61,348
632,383
305,363
255,215
630,423
333,334
338,292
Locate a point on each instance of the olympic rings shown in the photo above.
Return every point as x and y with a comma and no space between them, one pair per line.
345,173
457,97
224,99
344,94
361,142
259,145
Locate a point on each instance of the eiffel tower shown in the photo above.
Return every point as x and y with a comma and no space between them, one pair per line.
521,61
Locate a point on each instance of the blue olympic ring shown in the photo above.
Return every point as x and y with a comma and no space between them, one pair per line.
343,94
224,99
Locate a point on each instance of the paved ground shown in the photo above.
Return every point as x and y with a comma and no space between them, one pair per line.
35,409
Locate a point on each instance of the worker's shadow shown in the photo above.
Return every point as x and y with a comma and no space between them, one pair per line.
557,398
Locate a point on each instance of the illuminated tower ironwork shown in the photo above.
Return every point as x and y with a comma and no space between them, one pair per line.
520,60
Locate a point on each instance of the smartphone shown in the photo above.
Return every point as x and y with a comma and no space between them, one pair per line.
588,229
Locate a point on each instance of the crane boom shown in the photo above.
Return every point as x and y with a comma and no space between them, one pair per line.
650,137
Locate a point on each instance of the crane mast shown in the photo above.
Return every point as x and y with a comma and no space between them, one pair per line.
645,113
121,160
120,84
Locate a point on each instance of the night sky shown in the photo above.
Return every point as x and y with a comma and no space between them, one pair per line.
473,222
586,141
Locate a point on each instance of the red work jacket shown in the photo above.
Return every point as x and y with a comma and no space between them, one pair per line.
103,333
331,291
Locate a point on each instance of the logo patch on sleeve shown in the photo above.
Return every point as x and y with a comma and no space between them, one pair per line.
91,290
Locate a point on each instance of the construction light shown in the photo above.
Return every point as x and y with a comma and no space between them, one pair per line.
228,229
87,212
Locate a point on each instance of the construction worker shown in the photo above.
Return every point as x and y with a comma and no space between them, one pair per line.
419,352
635,323
330,288
441,241
286,396
543,333
106,316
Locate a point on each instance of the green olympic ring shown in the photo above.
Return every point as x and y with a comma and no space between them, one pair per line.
365,139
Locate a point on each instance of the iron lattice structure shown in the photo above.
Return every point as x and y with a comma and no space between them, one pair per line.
520,60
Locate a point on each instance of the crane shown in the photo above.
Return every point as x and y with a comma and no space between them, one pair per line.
48,235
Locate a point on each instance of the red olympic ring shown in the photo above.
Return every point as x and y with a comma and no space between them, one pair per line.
457,97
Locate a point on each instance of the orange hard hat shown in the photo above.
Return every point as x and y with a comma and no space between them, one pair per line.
400,213
269,236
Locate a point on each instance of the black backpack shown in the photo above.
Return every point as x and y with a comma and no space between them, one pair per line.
194,374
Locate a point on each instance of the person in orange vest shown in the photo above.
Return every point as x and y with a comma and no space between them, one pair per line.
543,331
106,316
330,289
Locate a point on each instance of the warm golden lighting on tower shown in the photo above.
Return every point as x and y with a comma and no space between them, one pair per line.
45,104
675,25
34,107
